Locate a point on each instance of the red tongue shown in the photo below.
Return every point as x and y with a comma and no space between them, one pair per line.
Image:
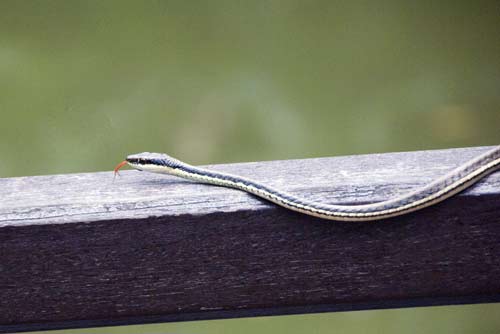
120,165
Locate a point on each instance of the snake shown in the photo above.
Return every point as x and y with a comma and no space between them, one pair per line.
436,191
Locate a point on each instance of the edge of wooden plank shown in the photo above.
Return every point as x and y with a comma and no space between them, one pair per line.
217,315
356,179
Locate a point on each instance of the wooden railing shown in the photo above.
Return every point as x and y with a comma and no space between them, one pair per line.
82,250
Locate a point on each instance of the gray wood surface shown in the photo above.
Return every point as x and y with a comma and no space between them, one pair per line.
84,249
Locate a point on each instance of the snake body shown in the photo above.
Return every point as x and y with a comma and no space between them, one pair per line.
434,192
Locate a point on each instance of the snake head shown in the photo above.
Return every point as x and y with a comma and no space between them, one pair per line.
153,162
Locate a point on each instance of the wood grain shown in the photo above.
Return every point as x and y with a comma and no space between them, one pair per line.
84,250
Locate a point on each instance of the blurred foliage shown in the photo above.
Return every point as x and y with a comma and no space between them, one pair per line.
84,83
450,319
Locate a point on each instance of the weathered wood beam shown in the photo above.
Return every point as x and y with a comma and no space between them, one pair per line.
83,250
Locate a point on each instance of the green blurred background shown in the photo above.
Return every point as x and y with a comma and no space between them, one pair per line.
84,83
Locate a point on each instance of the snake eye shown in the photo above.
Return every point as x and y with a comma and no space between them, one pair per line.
135,160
